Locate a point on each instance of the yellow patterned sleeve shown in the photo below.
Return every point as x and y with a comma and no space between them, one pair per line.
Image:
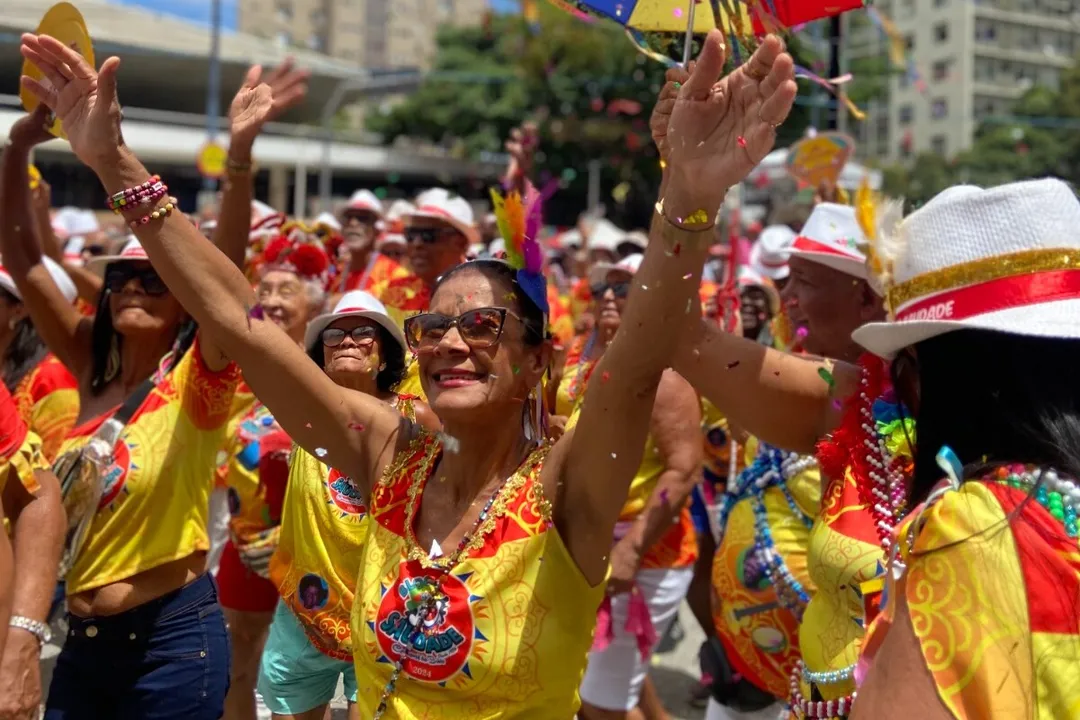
22,465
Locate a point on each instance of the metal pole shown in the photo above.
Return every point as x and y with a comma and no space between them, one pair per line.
815,109
594,184
363,84
213,85
689,33
834,67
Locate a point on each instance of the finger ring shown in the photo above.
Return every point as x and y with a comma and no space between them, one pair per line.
678,85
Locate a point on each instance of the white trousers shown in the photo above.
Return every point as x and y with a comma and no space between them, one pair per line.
613,677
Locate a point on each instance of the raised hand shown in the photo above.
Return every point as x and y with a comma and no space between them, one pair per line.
522,147
665,103
32,129
720,128
84,100
261,100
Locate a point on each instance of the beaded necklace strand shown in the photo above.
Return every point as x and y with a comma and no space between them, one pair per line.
432,594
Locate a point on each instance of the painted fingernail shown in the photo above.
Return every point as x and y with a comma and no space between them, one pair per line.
678,85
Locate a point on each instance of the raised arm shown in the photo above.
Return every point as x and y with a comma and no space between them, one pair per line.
347,430
59,324
250,110
790,401
719,130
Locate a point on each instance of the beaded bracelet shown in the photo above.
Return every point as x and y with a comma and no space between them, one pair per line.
124,197
162,212
157,192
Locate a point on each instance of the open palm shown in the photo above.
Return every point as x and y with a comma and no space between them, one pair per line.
720,128
84,100
261,100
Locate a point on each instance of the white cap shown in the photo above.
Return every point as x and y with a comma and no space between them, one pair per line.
604,235
73,251
264,219
636,237
832,237
365,201
440,204
59,276
769,255
630,264
399,209
570,239
328,220
355,303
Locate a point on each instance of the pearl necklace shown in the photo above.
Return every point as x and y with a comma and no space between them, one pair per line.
804,708
1058,494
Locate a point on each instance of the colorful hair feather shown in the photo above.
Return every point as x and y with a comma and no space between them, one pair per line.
879,219
519,222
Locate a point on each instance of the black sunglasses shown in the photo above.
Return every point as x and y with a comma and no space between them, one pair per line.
479,328
361,335
428,236
118,275
619,289
94,250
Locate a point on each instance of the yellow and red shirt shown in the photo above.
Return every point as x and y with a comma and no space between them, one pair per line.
560,321
255,500
678,546
320,548
20,448
504,640
48,400
378,273
154,505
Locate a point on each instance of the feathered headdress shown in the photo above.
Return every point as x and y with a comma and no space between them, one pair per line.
519,222
879,219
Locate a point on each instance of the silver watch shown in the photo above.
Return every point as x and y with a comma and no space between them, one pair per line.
35,627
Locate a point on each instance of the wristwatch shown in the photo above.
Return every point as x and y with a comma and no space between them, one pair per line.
35,627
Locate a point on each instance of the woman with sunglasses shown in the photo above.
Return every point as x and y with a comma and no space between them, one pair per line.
147,636
310,645
654,546
488,550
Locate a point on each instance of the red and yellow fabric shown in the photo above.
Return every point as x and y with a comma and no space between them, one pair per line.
760,636
560,320
255,502
20,448
991,584
374,278
718,444
404,297
48,400
677,548
243,401
580,298
323,528
161,476
506,643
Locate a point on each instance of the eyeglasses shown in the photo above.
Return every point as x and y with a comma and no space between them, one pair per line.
118,275
618,289
94,250
479,328
361,335
428,236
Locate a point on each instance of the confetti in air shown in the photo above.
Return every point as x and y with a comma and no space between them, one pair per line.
256,312
605,376
321,452
741,140
826,376
801,332
664,496
613,456
837,405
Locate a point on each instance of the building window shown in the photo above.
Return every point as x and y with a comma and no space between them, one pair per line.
903,80
284,11
941,32
905,149
907,8
985,31
939,108
939,145
283,39
316,43
940,69
940,3
909,42
907,114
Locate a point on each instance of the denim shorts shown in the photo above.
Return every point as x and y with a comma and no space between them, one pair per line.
167,659
294,676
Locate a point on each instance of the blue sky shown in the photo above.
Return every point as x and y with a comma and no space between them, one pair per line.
199,10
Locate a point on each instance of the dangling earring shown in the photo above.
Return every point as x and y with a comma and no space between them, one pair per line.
112,364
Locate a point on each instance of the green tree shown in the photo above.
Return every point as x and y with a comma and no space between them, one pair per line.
585,84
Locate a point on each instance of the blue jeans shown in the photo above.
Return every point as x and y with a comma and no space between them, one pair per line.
167,659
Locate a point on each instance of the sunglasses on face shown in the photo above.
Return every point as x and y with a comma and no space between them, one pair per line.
118,276
479,328
94,250
618,289
427,236
361,335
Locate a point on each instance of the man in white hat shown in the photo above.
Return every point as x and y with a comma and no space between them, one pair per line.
769,255
439,231
827,295
359,221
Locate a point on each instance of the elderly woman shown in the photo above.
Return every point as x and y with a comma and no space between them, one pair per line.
469,527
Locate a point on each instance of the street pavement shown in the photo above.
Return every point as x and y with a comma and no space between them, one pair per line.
674,671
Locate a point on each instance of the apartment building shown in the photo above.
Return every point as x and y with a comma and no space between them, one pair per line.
371,33
973,58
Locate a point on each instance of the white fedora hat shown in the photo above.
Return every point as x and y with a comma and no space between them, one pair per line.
832,237
769,255
1005,259
355,303
58,274
441,204
132,252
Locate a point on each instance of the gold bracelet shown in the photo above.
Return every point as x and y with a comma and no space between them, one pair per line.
696,222
237,168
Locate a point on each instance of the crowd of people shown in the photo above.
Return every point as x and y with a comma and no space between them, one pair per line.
470,476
